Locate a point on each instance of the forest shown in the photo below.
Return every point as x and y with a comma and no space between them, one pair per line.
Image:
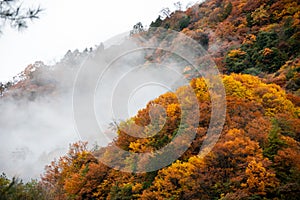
255,44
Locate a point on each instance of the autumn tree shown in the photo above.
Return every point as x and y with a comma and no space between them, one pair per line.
256,155
63,178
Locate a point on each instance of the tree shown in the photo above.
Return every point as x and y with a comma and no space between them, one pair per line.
157,22
137,28
184,22
16,15
61,177
1,88
259,178
227,10
14,188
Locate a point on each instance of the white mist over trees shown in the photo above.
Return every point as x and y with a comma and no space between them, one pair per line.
37,112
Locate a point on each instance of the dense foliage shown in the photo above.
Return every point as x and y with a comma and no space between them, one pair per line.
15,189
255,37
258,153
256,157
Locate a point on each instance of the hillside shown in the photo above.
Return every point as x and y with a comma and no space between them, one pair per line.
255,44
258,37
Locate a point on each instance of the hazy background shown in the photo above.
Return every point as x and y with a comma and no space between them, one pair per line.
69,25
35,130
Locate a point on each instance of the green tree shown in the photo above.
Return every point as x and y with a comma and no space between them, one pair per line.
121,193
15,189
184,22
274,141
157,22
227,11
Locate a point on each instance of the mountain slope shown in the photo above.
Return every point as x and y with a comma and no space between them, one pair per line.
258,153
255,37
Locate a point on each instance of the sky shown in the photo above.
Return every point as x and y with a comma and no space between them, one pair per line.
69,25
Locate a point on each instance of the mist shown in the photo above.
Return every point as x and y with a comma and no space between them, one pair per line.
77,99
